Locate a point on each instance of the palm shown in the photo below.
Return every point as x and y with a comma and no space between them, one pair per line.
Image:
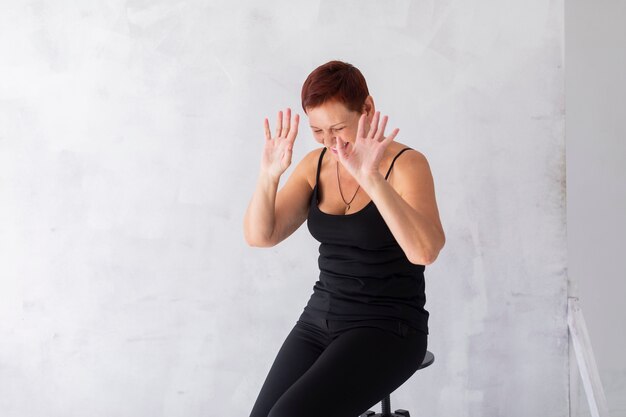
363,158
278,150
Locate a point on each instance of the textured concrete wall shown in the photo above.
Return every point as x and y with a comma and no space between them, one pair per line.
595,68
130,139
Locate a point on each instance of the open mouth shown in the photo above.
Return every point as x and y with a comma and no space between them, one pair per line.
335,149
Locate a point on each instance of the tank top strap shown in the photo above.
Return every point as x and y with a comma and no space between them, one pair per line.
394,160
319,166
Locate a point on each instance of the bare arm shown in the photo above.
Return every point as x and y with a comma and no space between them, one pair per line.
272,216
259,220
411,212
409,207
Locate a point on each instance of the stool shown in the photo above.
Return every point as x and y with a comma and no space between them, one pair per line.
429,358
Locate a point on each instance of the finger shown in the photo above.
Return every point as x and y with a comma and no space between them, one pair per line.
340,147
286,122
268,134
393,135
361,126
374,125
279,123
293,131
343,149
381,131
288,153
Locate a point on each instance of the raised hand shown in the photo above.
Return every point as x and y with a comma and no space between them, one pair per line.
278,149
362,160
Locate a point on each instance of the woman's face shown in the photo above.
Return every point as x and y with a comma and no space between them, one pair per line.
331,120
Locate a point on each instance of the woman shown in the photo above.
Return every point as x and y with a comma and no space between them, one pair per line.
364,330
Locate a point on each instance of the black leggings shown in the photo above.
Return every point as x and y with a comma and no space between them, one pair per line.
329,368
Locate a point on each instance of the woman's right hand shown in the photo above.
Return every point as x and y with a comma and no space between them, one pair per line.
278,149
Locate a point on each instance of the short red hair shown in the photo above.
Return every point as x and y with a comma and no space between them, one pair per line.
335,80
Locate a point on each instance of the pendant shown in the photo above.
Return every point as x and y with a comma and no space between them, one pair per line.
348,208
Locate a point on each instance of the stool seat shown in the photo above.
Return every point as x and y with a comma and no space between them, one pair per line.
428,360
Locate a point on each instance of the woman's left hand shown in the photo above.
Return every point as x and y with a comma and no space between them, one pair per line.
362,158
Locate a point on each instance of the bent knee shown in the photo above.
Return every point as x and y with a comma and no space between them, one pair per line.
287,410
279,412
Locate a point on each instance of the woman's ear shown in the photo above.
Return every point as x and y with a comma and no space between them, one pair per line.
368,106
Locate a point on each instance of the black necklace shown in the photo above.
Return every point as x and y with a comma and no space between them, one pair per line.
340,192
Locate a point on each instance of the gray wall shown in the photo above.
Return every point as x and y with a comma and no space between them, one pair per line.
130,139
595,68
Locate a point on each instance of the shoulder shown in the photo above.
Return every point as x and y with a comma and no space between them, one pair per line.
308,165
411,170
408,159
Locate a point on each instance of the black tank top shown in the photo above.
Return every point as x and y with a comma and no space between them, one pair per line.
364,273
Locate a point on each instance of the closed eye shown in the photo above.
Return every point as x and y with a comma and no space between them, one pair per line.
319,131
